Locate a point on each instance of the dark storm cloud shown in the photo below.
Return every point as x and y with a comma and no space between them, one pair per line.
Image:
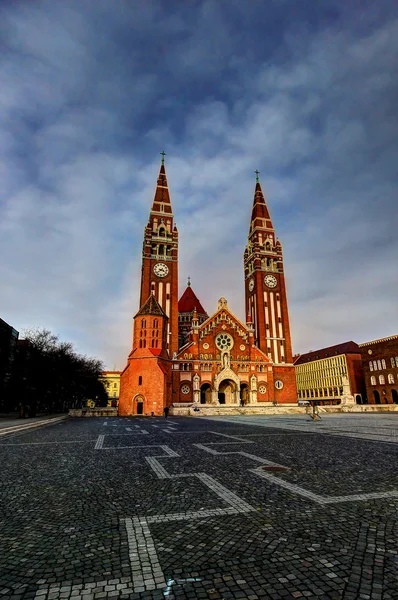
92,92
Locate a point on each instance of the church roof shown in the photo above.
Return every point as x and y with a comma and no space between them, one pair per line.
151,307
345,348
189,301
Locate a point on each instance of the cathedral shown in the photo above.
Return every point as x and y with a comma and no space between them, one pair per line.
181,356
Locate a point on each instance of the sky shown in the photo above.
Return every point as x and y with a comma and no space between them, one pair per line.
91,93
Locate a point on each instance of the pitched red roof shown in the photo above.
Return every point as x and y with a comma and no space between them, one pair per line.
189,301
151,307
345,348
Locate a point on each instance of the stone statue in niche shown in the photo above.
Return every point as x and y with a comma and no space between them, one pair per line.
226,360
253,383
196,382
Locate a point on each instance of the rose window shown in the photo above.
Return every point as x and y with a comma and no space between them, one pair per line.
262,389
185,389
224,341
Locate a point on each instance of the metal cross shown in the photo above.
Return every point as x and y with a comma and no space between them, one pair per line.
163,155
189,282
257,172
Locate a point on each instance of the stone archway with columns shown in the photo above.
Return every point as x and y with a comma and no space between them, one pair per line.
221,376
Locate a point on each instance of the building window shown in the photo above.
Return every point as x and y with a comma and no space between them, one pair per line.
374,365
373,380
383,363
379,365
382,379
115,385
370,365
143,324
140,380
114,394
390,378
155,324
392,362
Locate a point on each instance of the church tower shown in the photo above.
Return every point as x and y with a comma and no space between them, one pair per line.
160,259
265,289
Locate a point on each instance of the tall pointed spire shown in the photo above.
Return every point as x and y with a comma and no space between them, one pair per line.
161,202
260,209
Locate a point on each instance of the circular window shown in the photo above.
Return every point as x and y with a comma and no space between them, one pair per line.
224,341
242,347
370,351
262,389
278,384
185,389
205,346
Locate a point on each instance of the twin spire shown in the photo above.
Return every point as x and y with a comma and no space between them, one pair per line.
162,203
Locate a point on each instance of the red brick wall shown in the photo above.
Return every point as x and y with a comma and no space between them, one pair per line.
381,350
155,388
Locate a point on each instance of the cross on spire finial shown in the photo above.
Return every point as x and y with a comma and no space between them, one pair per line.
189,282
163,155
257,172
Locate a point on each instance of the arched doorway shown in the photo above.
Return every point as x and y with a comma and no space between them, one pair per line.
205,393
358,399
394,395
139,405
226,392
244,393
376,396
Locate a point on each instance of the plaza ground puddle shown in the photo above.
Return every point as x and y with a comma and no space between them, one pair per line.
274,468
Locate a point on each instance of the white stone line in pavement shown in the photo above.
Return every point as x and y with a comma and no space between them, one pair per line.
105,423
195,514
322,499
173,422
157,468
48,443
99,443
128,429
233,437
240,453
146,571
224,493
169,451
289,486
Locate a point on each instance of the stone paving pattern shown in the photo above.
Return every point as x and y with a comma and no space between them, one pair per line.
148,508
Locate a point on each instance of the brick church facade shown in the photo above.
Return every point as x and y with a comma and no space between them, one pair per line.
182,356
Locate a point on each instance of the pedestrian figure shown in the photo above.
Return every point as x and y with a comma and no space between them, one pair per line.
242,402
152,414
166,411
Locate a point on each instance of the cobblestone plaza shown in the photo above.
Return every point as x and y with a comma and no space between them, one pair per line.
234,507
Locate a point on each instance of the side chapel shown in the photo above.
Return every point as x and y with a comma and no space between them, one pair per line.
180,355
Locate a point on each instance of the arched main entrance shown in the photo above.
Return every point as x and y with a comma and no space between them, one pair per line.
394,395
376,396
227,392
244,393
358,399
205,393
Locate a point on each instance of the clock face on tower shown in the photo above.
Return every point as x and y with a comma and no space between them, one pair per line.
270,281
161,270
251,285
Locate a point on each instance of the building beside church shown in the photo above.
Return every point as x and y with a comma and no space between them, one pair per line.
180,355
326,376
111,382
380,364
